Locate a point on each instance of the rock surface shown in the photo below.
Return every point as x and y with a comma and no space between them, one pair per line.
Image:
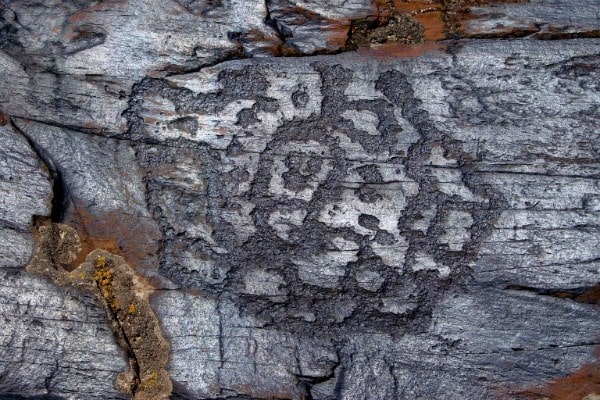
315,222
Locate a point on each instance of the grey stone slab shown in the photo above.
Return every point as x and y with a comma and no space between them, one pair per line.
54,342
25,191
340,226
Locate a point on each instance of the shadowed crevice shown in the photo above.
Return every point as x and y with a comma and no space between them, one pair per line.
60,191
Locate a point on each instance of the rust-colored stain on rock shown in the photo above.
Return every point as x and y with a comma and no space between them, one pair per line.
438,20
428,12
125,234
590,296
583,384
4,118
337,32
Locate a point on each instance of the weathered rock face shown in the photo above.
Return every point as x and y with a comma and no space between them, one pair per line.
352,216
355,225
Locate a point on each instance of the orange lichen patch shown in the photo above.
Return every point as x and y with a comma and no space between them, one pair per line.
130,236
4,118
582,384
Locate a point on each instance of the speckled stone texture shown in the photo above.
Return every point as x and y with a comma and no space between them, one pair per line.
314,222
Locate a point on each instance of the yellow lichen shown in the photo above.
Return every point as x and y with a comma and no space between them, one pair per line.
150,380
115,305
101,262
78,275
125,296
103,277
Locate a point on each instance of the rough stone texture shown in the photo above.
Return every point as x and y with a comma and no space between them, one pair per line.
26,191
348,226
124,295
311,27
547,19
54,341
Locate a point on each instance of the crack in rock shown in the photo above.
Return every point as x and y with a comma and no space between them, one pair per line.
125,296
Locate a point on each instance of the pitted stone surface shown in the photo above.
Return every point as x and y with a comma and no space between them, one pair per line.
318,199
357,225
